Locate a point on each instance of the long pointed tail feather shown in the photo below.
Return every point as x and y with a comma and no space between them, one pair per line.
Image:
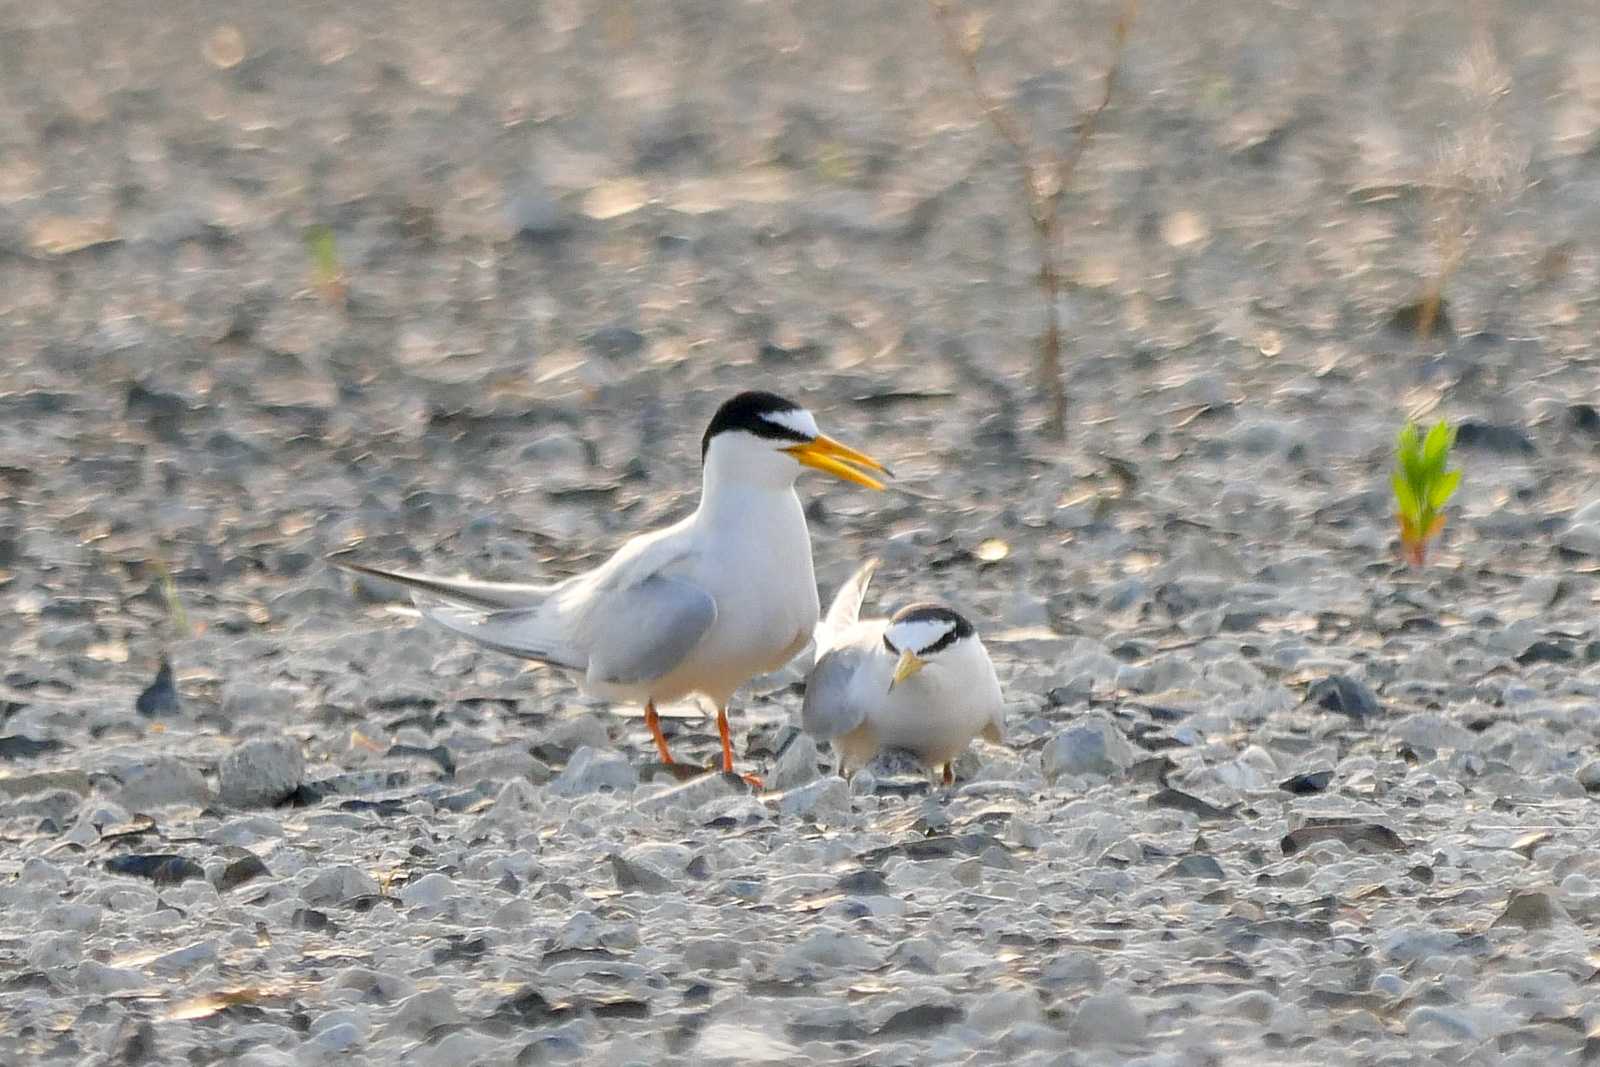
489,596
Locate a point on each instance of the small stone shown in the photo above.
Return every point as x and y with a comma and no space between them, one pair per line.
1198,865
1094,746
1350,832
711,954
100,980
241,871
630,875
336,1039
826,800
1306,784
834,949
1581,538
696,793
1073,968
185,959
422,1012
162,781
1108,1019
262,772
796,763
335,885
498,765
589,771
1589,776
1342,693
428,891
1535,909
161,868
1430,1023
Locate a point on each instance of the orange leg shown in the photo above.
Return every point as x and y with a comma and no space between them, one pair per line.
727,749
949,775
652,720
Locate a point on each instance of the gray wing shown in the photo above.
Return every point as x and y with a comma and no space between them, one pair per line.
828,711
645,630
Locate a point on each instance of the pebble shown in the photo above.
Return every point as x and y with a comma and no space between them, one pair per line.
262,772
335,885
162,781
1109,1018
827,800
428,891
422,1012
796,764
1093,746
589,771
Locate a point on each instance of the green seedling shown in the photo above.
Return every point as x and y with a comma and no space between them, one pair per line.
326,273
1422,486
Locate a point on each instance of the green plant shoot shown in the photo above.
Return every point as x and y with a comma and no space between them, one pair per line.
1422,486
326,273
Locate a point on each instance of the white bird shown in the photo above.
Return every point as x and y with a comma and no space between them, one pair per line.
701,606
920,681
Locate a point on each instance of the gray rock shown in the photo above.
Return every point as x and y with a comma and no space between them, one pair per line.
796,763
1582,538
97,979
261,773
1073,969
185,959
335,885
162,781
1093,746
1589,776
427,891
826,800
1198,865
422,1012
1109,1018
1344,694
630,876
711,954
1535,909
696,793
588,771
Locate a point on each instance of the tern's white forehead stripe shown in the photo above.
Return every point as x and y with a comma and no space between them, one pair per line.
796,420
918,634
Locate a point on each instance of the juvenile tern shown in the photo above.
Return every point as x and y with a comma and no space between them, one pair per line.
701,606
920,681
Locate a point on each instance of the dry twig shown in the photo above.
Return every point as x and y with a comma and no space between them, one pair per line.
1046,176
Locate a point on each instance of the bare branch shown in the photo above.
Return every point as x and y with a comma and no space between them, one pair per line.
1045,177
1086,128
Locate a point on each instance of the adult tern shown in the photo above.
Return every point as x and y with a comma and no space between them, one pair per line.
699,607
920,680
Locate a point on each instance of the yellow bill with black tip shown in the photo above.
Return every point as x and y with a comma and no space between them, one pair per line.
823,453
909,664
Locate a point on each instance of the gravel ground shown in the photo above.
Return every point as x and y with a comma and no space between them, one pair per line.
1266,793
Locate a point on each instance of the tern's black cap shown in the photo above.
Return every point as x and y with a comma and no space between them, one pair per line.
955,624
748,412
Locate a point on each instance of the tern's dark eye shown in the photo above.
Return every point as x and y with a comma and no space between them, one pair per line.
890,645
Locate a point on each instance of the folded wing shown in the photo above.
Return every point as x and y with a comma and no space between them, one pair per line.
828,710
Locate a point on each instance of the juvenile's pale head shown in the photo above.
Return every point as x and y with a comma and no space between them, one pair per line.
763,439
925,634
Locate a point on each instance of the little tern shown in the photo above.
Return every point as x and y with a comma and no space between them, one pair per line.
699,607
920,681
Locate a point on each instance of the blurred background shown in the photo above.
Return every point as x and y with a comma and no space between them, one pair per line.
275,277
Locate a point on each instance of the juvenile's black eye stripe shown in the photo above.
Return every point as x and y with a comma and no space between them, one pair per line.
747,412
938,614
